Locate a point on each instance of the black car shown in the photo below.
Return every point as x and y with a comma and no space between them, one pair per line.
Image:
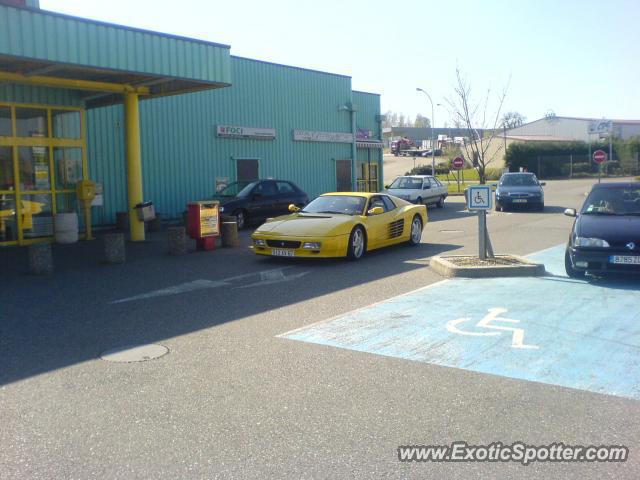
519,189
256,201
606,233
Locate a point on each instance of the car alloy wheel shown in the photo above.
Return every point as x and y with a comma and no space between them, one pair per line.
416,231
357,244
419,201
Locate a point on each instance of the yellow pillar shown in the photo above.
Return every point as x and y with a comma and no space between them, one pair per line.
134,165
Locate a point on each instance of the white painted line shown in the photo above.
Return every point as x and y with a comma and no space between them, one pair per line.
264,277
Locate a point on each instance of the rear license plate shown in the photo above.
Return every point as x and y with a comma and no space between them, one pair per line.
519,200
625,259
282,253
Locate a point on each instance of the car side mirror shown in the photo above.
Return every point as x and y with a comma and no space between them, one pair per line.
542,184
376,211
571,212
387,186
293,208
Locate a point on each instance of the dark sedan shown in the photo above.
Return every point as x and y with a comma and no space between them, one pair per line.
519,190
251,202
606,233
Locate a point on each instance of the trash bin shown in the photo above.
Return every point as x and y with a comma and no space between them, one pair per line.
145,211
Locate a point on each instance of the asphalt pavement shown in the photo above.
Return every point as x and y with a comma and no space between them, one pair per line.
236,397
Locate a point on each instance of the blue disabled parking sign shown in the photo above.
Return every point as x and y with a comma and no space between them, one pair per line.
479,197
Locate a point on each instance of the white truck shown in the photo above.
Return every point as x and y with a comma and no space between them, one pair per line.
421,189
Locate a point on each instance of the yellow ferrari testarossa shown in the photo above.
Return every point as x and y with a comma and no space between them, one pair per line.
341,224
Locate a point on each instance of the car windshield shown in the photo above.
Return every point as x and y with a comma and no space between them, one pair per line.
338,204
613,201
519,180
407,183
236,189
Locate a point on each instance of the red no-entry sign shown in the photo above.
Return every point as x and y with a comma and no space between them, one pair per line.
458,163
599,156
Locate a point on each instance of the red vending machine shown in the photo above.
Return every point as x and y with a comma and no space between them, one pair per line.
204,223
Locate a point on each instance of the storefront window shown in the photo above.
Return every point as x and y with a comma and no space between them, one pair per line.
5,122
37,220
68,165
66,124
34,168
8,225
6,169
31,122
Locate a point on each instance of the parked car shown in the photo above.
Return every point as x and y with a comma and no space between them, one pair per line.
606,233
341,225
421,189
251,202
519,189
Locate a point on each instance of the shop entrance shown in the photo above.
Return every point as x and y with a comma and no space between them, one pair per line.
368,177
42,156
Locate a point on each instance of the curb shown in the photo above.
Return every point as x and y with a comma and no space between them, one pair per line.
448,269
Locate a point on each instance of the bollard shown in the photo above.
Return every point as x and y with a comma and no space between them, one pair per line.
40,259
122,220
230,235
114,250
177,241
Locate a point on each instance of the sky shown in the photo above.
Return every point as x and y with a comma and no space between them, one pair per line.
576,58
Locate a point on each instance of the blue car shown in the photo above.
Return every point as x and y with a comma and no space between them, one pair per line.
606,233
519,190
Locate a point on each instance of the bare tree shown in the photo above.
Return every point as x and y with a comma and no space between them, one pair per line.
512,119
421,122
474,118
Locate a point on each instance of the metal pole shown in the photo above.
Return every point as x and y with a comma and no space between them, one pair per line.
482,234
610,147
570,166
354,151
433,148
134,165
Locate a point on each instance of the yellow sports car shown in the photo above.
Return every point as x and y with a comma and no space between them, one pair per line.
344,224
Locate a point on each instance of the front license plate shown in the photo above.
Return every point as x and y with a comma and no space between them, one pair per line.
282,253
519,200
625,259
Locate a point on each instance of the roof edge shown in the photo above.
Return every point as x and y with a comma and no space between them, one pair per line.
289,66
116,25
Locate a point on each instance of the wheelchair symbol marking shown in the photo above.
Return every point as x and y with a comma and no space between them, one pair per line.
517,339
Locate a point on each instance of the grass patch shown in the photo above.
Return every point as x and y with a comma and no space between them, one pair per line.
453,187
470,175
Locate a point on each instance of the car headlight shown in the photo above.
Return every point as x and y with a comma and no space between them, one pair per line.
260,242
311,245
502,194
591,242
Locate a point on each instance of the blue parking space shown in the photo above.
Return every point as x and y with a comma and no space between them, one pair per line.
551,329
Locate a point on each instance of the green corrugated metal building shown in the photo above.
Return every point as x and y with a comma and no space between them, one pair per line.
69,110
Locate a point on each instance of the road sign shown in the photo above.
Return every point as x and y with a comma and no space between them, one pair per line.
479,198
458,163
599,156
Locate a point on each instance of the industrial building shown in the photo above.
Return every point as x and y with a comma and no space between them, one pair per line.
161,118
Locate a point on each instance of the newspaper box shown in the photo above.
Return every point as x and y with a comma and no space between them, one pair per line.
204,223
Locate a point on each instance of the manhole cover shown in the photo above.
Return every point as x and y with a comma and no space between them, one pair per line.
451,231
134,353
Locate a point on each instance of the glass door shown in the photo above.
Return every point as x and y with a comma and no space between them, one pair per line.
42,156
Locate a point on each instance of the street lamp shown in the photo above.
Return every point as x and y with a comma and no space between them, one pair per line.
433,123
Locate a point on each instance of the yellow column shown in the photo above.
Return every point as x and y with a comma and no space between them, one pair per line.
134,164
